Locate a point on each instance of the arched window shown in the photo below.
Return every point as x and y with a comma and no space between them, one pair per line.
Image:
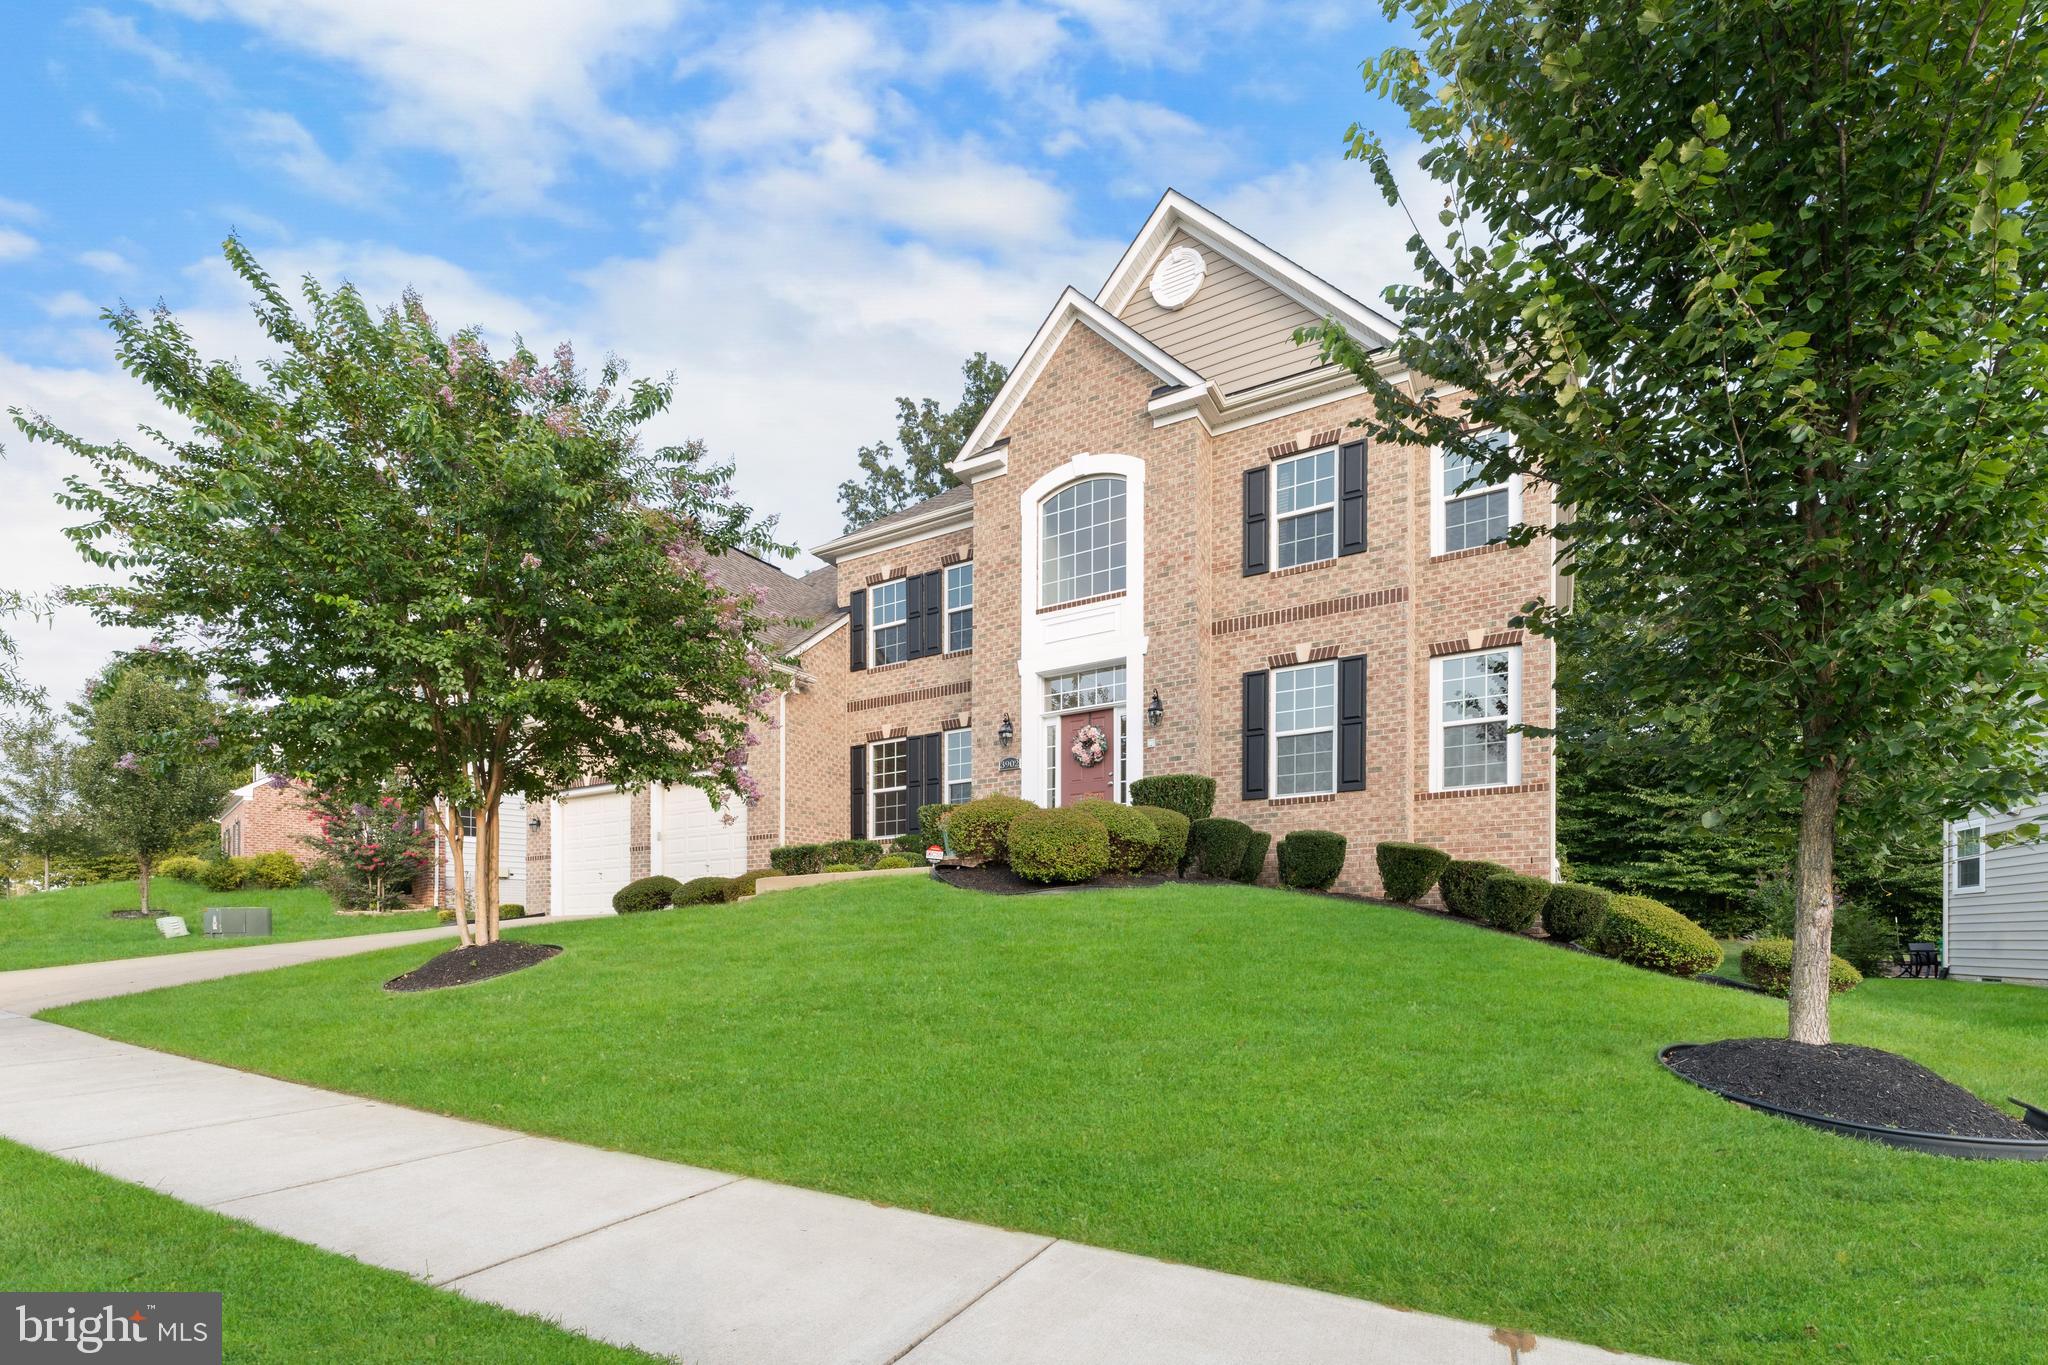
1081,542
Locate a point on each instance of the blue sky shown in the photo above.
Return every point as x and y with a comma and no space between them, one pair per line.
800,211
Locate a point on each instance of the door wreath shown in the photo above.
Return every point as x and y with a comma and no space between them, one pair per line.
1090,746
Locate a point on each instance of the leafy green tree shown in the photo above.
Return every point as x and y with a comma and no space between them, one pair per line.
930,436
40,817
151,766
1759,291
420,564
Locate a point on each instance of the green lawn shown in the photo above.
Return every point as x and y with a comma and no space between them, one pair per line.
1337,1094
63,1227
48,928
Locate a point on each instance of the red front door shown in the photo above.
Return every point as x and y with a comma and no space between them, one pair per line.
1098,779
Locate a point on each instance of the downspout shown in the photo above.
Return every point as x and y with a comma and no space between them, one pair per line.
782,767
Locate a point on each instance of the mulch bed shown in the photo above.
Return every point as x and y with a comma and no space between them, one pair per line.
133,914
1843,1081
461,966
1001,881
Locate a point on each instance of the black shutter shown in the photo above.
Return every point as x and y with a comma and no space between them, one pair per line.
934,622
1258,484
913,775
1255,712
1351,498
913,617
857,764
857,605
1351,724
934,769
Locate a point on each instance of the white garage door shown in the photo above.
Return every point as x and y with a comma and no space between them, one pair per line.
700,839
596,851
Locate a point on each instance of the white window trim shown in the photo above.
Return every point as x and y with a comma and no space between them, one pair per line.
1336,497
1274,732
1955,844
967,740
909,811
875,632
1437,722
949,610
1132,543
1439,499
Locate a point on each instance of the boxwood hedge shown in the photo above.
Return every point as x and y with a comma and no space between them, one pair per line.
1464,886
1646,933
1768,963
1172,848
648,893
1512,901
1132,836
1407,871
1574,911
1061,845
1216,846
1189,793
1310,859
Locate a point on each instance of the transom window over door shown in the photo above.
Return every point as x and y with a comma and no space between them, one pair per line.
889,617
888,788
1475,512
1085,690
1305,730
1476,703
1305,508
1081,542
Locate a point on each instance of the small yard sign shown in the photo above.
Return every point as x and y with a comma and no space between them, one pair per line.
172,926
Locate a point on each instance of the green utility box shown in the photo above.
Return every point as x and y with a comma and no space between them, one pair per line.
235,921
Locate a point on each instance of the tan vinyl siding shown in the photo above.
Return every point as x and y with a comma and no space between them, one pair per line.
2002,930
1237,331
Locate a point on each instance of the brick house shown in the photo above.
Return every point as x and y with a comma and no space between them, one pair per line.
1168,530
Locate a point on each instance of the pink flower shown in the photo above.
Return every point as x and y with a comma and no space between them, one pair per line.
210,742
447,395
128,763
529,560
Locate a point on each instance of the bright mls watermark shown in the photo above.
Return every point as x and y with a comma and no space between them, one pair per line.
160,1329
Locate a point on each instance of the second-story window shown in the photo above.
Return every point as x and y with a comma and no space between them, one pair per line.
1474,512
889,619
1305,508
1081,542
960,606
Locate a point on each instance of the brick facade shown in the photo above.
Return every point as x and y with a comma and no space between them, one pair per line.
266,819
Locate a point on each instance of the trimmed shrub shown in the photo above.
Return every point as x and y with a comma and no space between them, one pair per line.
1133,838
513,911
1574,911
1063,845
844,867
1643,932
980,829
893,861
797,859
705,891
272,871
221,874
859,852
1216,846
1254,860
1768,963
648,893
909,844
181,868
1407,871
1513,902
1866,939
1463,885
1189,793
931,822
1310,859
1172,847
445,916
744,884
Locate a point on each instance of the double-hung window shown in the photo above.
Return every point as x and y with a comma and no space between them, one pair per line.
959,766
1472,512
1305,508
888,788
889,621
467,817
1969,858
1305,730
1081,542
960,606
1478,699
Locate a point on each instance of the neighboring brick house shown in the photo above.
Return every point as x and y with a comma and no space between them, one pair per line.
1169,529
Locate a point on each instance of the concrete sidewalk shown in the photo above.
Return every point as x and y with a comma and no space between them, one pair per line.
691,1263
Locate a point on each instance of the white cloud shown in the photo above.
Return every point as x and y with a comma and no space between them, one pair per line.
512,90
120,32
280,141
16,245
1156,146
106,262
69,304
20,210
999,43
810,79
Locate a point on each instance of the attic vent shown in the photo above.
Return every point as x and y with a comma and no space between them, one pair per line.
1177,276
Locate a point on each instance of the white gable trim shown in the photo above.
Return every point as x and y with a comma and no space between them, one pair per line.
1176,211
1073,306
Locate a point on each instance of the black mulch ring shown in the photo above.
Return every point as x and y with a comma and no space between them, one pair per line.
461,966
133,914
1842,1081
1001,881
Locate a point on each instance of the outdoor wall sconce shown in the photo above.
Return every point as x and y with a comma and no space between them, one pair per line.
1005,732
533,822
1155,711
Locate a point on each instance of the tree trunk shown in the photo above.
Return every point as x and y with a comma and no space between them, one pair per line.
142,881
450,821
1813,890
46,872
487,870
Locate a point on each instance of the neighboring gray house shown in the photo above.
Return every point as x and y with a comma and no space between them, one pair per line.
1994,900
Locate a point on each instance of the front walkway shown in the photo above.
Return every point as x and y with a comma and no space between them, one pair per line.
672,1259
